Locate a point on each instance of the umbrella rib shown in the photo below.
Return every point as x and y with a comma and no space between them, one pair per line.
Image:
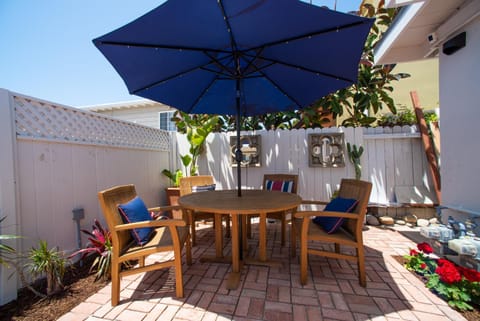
156,83
200,96
311,34
233,42
275,61
159,46
219,64
259,70
282,91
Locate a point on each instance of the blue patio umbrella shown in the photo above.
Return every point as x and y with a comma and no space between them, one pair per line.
237,57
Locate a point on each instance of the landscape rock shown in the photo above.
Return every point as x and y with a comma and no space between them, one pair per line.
400,222
423,222
434,220
372,220
386,220
411,219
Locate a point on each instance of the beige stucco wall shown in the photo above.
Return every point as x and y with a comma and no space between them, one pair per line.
423,79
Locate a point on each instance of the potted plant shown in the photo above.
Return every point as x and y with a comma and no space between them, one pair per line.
196,128
173,192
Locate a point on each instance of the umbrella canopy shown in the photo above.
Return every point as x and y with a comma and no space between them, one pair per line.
237,57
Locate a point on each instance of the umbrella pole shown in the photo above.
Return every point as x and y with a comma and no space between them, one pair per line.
238,157
238,151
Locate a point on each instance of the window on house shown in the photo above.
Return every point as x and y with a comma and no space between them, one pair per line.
165,121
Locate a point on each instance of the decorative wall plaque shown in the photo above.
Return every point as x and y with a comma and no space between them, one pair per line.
250,145
326,150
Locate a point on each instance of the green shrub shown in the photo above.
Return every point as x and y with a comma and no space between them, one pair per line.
6,252
51,262
406,117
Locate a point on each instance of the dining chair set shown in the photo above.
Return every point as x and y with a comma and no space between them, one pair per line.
138,231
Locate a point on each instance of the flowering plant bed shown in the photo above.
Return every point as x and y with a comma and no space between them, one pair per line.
457,285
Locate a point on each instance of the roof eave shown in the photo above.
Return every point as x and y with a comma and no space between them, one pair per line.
399,25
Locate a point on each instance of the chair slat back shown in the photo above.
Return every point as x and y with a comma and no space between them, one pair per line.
109,200
281,177
186,183
359,190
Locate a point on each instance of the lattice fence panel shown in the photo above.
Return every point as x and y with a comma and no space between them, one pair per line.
42,120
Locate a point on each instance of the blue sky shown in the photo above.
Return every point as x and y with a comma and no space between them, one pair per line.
46,48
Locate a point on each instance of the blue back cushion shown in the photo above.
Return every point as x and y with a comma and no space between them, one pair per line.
136,211
330,223
283,186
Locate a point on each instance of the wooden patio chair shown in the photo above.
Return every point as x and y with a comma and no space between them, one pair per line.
287,182
192,184
165,235
342,227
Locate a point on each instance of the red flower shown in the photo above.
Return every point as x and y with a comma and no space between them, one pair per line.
448,272
423,266
442,262
470,274
413,252
425,248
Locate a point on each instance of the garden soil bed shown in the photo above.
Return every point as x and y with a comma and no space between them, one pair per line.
79,285
469,315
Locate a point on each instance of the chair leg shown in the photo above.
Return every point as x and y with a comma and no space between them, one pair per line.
191,222
245,220
361,266
193,233
227,225
115,283
303,261
178,272
293,240
284,229
188,250
249,228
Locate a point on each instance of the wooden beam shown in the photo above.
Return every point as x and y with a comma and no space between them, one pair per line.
427,144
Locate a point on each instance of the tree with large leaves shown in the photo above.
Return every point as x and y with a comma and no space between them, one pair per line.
196,128
360,103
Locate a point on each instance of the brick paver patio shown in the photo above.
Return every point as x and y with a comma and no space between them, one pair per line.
274,293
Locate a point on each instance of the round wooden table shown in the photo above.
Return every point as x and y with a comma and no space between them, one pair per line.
252,202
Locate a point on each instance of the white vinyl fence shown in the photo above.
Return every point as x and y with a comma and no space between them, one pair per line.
394,161
54,159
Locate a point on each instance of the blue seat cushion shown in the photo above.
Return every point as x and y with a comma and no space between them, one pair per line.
283,186
136,211
330,223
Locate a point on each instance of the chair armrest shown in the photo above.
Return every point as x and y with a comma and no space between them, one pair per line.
314,202
176,210
155,223
306,214
338,214
165,208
